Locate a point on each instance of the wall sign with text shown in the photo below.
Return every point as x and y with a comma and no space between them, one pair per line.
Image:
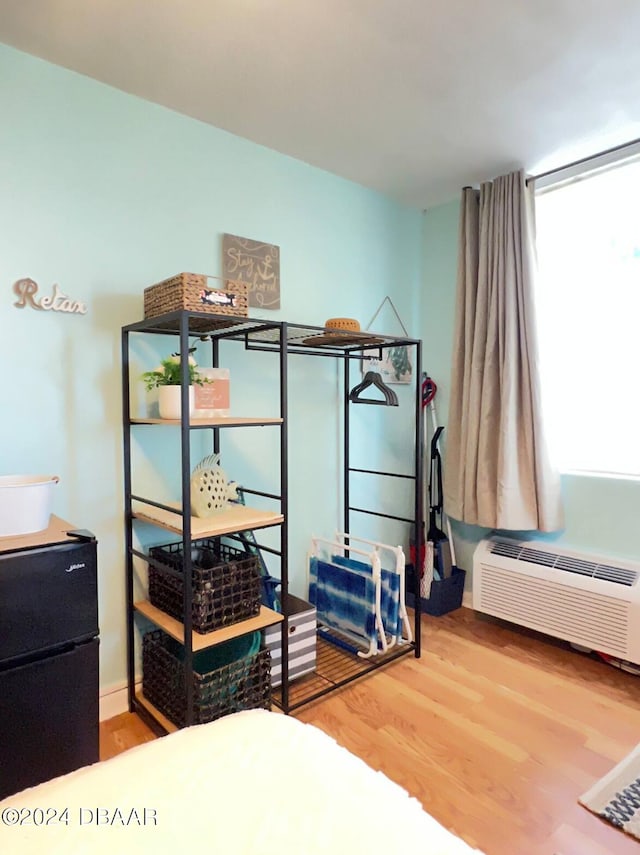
256,263
27,290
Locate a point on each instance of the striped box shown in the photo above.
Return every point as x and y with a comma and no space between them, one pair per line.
302,641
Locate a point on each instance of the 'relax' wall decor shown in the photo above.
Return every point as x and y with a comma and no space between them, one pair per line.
256,263
26,290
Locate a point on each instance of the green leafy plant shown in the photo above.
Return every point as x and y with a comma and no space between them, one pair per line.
169,373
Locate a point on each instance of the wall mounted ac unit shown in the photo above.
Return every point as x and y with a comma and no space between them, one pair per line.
591,602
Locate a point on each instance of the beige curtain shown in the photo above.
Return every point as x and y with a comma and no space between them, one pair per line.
497,471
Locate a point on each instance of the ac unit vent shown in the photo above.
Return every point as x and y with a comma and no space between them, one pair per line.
589,600
581,566
583,617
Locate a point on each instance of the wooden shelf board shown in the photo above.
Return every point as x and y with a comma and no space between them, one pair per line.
221,421
175,629
56,532
168,725
232,519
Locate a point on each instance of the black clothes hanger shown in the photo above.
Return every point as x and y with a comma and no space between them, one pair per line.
372,378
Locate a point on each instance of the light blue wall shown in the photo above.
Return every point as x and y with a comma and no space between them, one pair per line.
600,513
106,194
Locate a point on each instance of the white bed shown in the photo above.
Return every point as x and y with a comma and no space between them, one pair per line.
254,782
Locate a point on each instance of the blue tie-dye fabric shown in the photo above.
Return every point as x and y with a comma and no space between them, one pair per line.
389,593
345,599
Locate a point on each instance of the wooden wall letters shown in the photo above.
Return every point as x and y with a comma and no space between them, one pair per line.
26,290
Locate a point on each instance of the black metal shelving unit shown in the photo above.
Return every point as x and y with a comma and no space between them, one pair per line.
335,669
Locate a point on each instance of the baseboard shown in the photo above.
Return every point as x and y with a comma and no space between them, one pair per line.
467,600
114,700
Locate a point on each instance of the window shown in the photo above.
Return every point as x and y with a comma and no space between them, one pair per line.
588,307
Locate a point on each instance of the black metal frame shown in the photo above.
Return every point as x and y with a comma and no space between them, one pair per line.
270,336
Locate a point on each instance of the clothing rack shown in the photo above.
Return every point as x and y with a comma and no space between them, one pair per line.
336,667
287,342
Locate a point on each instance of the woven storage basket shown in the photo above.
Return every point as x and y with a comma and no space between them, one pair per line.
226,583
196,292
243,683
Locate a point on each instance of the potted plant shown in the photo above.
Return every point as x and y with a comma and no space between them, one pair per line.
167,379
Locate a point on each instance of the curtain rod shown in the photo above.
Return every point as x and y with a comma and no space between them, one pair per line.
592,157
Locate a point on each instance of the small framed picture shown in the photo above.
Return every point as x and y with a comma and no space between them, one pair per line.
394,367
212,398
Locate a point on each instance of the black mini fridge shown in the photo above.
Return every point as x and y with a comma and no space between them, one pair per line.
49,690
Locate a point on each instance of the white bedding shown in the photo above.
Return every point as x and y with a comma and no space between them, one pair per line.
254,782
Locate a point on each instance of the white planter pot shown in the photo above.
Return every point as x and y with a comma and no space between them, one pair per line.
169,401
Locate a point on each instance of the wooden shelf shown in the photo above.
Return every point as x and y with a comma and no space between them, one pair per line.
232,519
55,533
168,725
175,629
221,421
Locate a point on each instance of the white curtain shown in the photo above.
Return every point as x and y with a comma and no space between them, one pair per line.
497,471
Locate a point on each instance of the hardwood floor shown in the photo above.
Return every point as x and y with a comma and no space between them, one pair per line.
496,731
121,733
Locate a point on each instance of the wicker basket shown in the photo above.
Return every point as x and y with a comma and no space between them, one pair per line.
244,683
196,292
226,583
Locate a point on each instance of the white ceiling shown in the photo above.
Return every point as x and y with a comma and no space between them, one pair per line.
414,98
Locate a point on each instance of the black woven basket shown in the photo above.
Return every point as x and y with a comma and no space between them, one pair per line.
226,583
244,684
